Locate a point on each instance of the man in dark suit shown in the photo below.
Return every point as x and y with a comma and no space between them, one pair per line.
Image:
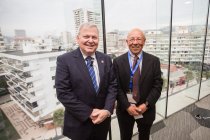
86,86
140,85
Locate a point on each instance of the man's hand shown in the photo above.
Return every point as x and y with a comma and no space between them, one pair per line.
133,110
100,115
93,112
142,107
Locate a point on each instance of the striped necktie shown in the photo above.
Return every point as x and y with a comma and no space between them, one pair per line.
90,60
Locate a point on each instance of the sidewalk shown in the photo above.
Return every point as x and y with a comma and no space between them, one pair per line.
26,128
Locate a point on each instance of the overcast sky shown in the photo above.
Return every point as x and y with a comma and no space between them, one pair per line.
40,17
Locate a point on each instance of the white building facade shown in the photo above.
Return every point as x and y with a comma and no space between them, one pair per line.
186,47
30,77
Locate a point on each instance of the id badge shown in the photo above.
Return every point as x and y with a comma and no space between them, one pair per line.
130,98
138,117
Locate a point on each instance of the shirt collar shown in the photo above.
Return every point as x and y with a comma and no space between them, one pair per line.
132,55
85,56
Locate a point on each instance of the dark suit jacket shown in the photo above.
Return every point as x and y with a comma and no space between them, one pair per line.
150,83
76,92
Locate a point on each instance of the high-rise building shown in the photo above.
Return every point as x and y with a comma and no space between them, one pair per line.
83,15
30,77
1,41
66,39
112,41
19,33
19,39
2,47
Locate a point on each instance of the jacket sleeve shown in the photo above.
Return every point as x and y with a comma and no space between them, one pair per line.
157,84
121,96
112,89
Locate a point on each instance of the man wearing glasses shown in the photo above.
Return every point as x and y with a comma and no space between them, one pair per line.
140,85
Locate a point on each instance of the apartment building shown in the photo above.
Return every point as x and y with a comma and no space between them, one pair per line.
82,15
1,42
30,77
186,46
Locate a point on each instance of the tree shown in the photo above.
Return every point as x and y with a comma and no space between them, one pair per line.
198,76
189,76
3,83
206,74
58,117
164,83
3,86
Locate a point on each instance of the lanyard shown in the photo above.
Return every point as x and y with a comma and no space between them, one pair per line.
132,71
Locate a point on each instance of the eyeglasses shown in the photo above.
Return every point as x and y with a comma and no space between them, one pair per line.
138,40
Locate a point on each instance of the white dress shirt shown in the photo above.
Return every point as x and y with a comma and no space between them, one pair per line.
95,66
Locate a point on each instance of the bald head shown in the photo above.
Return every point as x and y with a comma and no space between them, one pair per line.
135,41
136,31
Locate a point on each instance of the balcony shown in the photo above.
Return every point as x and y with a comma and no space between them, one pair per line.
30,88
16,95
18,65
30,68
26,92
26,67
12,63
32,98
37,88
33,107
16,81
23,76
24,86
12,92
27,77
33,78
18,89
34,115
11,84
9,77
20,98
4,61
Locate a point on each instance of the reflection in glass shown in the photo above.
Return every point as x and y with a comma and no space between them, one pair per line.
186,53
205,85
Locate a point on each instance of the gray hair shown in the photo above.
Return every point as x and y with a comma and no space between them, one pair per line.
88,25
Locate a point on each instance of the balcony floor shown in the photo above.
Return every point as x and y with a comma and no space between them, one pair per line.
183,125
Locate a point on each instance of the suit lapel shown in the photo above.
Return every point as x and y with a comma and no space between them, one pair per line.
144,68
101,63
126,65
80,63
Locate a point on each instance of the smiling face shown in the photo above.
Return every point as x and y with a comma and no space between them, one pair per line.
135,41
88,39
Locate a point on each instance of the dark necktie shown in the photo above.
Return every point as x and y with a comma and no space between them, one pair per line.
136,77
92,72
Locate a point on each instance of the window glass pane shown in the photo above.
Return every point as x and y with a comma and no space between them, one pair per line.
78,12
153,17
205,85
32,34
186,52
